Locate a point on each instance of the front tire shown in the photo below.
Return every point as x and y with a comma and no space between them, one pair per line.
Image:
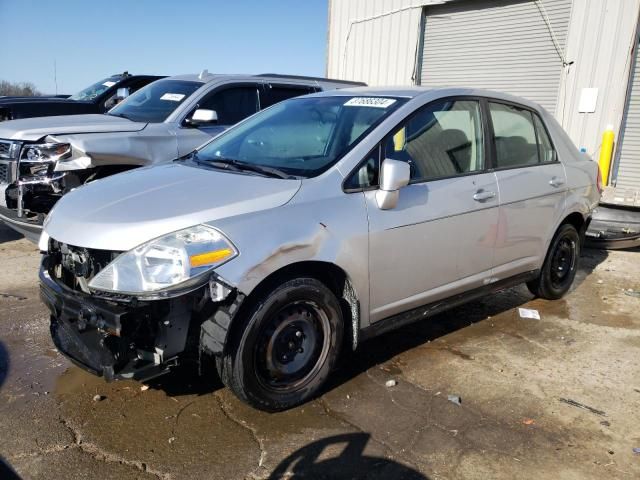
560,265
282,352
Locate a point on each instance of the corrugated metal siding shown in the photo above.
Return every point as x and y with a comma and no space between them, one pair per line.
601,39
374,41
503,45
629,161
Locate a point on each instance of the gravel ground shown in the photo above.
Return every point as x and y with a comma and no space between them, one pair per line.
555,398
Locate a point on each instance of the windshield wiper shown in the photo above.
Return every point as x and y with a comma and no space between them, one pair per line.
239,165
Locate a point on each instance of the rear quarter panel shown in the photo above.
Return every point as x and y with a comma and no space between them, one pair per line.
581,172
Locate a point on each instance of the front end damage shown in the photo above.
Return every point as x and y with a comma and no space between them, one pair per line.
119,336
31,185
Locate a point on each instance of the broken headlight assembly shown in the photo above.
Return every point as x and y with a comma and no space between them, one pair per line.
45,152
173,262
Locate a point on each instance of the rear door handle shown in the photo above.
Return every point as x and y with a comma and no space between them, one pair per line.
483,195
556,182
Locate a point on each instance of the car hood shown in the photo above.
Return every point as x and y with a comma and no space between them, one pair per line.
32,129
123,211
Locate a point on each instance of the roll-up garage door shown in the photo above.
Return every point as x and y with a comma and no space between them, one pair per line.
511,46
629,153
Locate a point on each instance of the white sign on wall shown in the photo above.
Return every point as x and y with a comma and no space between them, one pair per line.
588,100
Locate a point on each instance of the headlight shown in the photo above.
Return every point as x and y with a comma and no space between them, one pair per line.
180,259
45,152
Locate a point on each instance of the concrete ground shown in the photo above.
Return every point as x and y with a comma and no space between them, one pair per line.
556,398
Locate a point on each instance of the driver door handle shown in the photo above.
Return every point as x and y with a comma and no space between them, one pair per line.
556,182
483,195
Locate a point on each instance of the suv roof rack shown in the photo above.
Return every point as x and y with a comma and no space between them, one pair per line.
303,77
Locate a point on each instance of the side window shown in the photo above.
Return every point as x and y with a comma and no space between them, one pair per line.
442,139
232,104
272,94
367,174
547,152
515,136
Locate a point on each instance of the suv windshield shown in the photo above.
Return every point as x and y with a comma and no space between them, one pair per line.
96,89
301,136
155,102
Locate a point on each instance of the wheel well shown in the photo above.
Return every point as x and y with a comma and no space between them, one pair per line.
578,221
334,277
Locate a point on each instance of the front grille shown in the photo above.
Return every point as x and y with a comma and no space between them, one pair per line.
5,173
5,150
75,266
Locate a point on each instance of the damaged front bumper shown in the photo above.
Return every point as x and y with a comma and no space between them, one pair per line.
120,337
115,340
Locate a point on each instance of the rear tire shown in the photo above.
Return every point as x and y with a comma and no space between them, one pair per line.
282,351
560,265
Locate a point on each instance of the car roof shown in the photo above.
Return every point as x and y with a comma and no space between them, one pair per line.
206,77
436,92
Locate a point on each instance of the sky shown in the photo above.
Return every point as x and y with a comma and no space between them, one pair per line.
89,40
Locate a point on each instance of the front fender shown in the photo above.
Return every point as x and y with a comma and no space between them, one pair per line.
332,229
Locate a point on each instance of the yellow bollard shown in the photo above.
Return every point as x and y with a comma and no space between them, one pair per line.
606,152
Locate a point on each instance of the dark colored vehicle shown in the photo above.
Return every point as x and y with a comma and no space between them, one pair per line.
96,98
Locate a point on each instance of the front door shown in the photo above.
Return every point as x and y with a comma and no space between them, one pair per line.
232,104
439,240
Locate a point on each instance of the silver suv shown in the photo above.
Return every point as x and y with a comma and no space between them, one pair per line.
43,158
310,227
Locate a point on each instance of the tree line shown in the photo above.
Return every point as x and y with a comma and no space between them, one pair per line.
18,89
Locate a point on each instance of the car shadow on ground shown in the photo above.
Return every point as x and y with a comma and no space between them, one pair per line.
186,379
8,235
4,364
590,258
189,379
350,462
6,472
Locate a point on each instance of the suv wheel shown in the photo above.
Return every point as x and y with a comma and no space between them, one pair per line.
284,350
560,265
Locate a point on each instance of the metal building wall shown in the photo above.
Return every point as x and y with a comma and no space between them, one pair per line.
601,38
510,46
367,41
374,40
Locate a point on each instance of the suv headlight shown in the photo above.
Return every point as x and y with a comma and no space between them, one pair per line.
175,261
45,152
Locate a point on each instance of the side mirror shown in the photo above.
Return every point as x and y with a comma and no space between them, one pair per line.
122,93
203,116
395,174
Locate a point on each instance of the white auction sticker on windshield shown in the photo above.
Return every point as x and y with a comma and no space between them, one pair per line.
109,84
173,97
376,102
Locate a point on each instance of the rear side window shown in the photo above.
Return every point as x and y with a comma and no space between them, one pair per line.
232,104
272,94
547,152
519,136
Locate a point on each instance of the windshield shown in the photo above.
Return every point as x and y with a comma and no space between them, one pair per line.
301,136
155,102
96,89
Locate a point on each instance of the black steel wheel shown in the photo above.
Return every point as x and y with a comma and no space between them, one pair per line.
285,348
560,265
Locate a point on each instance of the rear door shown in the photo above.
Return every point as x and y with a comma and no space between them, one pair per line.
439,239
231,103
532,186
